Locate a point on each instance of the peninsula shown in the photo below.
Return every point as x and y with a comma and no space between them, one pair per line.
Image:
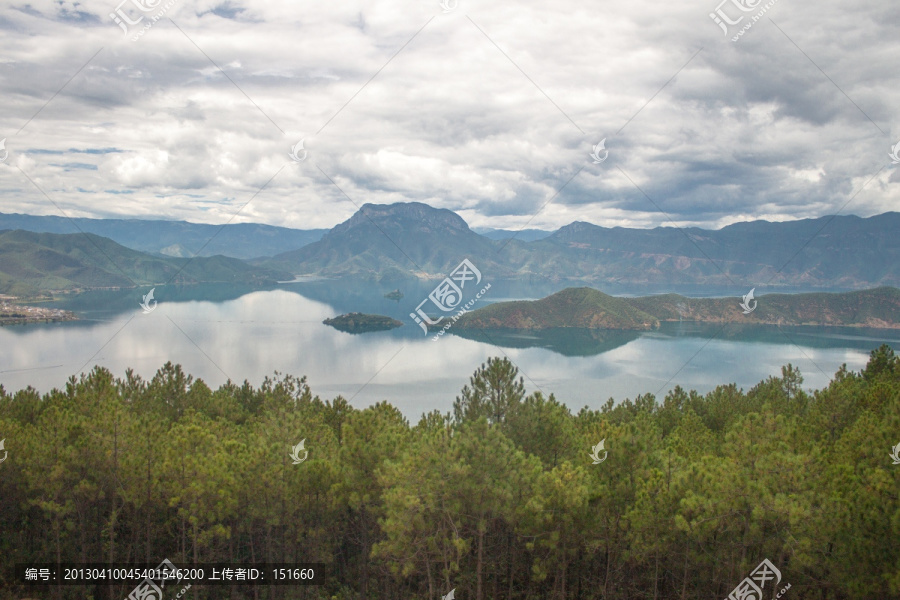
588,308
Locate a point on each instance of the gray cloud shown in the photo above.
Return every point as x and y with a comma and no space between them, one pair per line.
745,130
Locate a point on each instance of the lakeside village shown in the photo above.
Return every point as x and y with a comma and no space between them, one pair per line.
18,314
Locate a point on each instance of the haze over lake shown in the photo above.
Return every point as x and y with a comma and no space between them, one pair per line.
222,332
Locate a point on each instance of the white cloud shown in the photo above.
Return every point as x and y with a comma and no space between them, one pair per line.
746,130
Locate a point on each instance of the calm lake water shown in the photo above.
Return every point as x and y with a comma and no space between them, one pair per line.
222,332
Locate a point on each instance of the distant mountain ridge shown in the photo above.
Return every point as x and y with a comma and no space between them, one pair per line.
414,240
392,242
588,308
175,238
524,235
34,263
385,242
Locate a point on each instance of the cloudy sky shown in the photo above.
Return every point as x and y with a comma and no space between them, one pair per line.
486,108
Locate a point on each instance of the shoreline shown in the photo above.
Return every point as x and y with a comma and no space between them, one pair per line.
20,314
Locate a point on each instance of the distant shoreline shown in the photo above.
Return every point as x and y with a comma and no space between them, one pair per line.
18,314
588,308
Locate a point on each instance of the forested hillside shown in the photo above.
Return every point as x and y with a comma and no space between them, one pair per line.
499,499
32,263
588,308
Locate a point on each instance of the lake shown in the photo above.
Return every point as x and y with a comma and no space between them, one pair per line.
217,332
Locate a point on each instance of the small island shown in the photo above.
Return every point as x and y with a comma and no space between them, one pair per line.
17,314
362,323
395,295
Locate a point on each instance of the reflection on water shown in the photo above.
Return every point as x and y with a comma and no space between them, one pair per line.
222,332
570,341
575,341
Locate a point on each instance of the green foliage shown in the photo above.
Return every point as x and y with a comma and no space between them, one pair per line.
500,500
493,392
883,363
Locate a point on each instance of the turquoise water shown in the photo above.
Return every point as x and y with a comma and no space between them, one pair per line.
222,332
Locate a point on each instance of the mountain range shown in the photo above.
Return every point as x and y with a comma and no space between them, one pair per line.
413,240
35,263
175,238
523,235
385,242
